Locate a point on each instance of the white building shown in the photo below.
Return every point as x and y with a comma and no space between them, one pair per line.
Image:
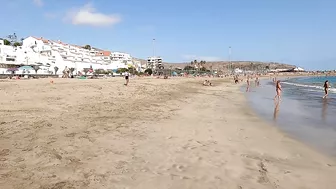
49,54
238,71
154,62
298,69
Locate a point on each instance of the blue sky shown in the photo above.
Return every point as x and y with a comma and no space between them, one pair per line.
300,32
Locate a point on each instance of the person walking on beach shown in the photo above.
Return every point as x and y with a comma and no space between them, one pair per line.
236,79
278,90
248,84
326,87
126,78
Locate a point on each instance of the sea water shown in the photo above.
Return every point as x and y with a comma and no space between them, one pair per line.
302,113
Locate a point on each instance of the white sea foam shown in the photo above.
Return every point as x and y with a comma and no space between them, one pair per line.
333,90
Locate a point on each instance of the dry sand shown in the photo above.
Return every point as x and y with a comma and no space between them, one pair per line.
152,134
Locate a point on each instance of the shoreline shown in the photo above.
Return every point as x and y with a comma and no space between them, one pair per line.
168,133
304,119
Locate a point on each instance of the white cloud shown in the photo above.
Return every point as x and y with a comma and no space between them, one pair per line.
38,2
189,57
87,15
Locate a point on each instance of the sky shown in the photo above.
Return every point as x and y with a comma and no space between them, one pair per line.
299,32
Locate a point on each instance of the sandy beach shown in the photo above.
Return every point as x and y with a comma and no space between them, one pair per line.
155,133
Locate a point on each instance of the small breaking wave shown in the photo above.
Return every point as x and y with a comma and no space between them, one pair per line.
333,90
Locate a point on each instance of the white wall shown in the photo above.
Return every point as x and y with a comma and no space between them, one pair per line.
35,51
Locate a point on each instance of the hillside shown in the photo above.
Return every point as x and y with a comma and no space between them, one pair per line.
223,65
246,65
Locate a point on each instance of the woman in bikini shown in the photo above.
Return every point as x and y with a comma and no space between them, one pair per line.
326,87
278,91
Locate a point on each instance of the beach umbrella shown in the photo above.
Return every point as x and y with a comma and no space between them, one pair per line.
26,68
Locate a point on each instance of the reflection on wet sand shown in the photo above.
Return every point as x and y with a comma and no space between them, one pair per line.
276,111
324,108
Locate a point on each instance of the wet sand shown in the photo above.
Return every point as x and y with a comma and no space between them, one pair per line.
154,133
304,116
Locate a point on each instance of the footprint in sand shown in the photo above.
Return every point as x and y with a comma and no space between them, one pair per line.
70,134
179,168
4,152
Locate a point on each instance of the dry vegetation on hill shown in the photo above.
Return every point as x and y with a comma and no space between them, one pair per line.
223,65
246,65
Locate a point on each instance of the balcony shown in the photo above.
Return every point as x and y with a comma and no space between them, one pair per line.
10,59
52,58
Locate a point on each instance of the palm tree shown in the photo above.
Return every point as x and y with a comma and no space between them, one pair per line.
17,44
56,69
88,47
86,70
72,70
36,68
195,62
6,42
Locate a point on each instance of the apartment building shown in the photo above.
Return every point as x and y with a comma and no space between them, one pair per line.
51,54
154,62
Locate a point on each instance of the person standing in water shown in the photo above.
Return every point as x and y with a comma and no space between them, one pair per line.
278,91
126,78
326,87
257,81
248,84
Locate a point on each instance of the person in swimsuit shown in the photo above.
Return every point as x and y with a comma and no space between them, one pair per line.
205,83
126,78
248,84
236,79
257,81
326,87
278,90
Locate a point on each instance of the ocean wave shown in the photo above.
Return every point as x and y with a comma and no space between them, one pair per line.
333,90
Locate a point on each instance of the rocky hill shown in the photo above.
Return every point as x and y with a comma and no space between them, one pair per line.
224,65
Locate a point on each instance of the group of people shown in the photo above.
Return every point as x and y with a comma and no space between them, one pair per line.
248,83
278,89
207,83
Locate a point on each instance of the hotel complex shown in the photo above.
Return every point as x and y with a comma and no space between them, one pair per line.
48,54
155,62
